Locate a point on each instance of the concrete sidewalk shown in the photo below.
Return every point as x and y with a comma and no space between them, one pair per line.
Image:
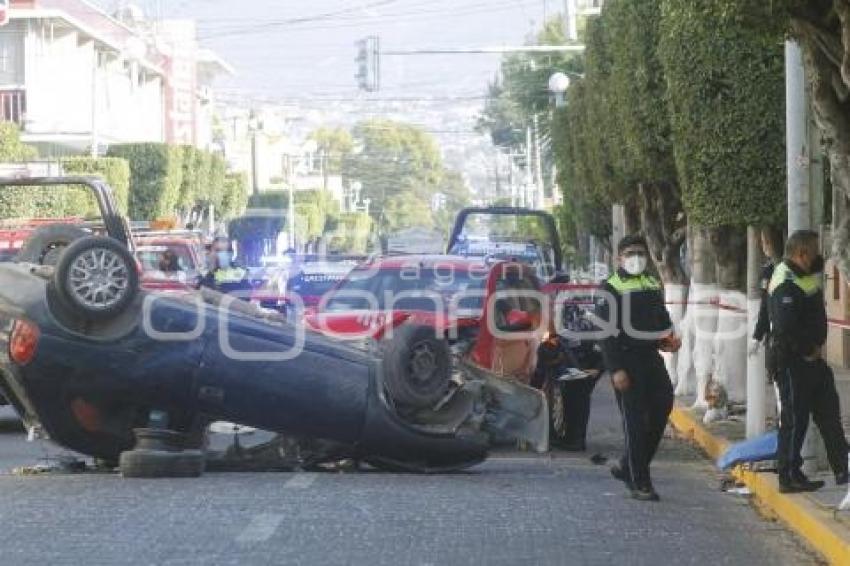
812,516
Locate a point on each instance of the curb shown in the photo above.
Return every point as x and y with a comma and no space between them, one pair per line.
813,523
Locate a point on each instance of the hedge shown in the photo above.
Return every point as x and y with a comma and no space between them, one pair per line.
726,101
235,194
156,176
352,233
115,171
195,179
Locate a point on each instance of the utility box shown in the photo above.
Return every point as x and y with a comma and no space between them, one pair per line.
837,296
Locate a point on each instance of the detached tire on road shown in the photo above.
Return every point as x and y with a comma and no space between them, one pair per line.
161,454
417,366
161,464
97,277
46,244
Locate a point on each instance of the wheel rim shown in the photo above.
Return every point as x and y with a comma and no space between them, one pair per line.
556,406
52,253
423,363
98,278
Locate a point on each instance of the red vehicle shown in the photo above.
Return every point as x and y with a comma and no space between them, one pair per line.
170,262
491,316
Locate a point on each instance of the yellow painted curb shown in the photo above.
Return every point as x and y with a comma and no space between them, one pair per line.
812,522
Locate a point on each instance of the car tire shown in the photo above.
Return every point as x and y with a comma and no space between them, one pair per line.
160,453
161,464
417,366
46,244
557,412
81,266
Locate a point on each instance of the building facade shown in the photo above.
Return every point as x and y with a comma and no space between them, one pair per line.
77,80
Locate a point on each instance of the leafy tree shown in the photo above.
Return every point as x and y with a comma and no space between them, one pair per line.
336,144
454,190
726,104
390,159
156,174
407,210
11,146
115,171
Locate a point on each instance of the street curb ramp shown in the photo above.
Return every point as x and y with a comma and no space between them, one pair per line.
802,515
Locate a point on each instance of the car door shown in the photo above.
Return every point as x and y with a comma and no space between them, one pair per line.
509,352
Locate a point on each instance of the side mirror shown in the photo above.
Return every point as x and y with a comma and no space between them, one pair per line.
518,321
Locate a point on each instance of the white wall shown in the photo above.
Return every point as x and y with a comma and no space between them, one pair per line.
60,86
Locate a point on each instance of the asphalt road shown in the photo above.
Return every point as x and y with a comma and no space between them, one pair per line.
514,509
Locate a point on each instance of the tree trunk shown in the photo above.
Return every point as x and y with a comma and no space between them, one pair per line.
664,226
633,217
696,358
730,341
828,75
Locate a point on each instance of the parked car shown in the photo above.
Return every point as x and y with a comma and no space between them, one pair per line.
510,233
300,281
170,262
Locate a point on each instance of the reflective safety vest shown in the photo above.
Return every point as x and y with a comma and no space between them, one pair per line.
229,275
641,282
808,284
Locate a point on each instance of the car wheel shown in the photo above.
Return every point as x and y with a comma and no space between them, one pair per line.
557,412
160,454
46,244
417,366
97,277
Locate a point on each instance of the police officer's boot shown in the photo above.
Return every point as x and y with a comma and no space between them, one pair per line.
798,483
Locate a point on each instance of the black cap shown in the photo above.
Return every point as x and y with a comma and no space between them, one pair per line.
632,240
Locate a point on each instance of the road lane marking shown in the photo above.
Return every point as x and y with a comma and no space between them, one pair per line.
300,481
260,529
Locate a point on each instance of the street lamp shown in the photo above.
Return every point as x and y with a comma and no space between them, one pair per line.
558,85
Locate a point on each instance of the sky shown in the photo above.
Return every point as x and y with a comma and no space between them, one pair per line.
289,49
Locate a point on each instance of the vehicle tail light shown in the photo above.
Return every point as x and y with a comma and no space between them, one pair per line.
24,341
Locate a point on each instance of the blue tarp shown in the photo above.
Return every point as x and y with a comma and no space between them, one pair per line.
756,449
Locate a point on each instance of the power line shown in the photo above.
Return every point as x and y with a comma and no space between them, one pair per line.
299,20
411,17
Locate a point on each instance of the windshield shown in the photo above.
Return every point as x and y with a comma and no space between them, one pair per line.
430,290
514,237
166,258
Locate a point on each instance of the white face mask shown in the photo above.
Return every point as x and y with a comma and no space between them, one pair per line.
635,264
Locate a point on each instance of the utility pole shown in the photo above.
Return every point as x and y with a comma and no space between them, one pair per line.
290,220
570,20
529,167
799,206
537,201
95,125
253,127
756,371
799,198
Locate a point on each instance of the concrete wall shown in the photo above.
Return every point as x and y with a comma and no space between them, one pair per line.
61,85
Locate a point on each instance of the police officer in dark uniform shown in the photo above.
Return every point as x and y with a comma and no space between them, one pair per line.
761,333
631,305
806,383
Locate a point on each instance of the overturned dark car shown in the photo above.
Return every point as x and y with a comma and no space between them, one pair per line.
134,378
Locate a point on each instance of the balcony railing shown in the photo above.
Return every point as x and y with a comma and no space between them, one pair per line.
13,106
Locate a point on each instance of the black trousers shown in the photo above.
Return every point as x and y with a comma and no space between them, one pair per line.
576,397
645,407
808,388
